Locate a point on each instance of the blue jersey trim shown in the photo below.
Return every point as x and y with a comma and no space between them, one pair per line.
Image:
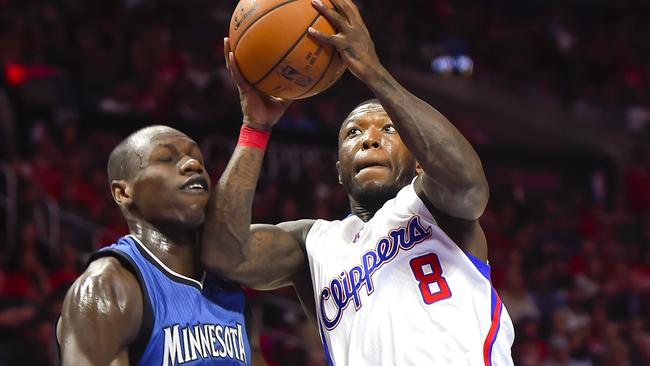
328,357
150,257
219,305
482,267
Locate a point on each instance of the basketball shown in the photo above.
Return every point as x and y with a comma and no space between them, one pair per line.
274,52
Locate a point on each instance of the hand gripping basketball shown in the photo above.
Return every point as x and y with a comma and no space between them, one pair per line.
274,52
259,111
353,39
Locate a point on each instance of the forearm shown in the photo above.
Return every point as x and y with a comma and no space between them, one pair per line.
442,151
227,227
454,178
259,256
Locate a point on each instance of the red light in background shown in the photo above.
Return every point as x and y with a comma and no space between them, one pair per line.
15,74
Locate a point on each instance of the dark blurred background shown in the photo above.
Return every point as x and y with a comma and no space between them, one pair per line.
553,95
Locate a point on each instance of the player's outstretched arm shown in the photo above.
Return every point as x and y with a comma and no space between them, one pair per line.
101,316
454,180
258,256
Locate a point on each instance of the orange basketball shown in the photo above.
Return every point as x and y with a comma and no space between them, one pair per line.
274,51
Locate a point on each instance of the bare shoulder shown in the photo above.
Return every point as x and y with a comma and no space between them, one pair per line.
299,228
466,233
464,202
105,301
104,279
301,279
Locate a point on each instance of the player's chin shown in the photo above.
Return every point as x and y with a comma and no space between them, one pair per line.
371,185
194,210
194,219
375,189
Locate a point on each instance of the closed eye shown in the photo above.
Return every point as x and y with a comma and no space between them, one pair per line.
164,159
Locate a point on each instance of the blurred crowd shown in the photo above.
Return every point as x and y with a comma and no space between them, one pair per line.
162,59
592,56
572,264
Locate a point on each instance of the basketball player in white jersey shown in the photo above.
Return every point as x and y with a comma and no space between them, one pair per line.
404,279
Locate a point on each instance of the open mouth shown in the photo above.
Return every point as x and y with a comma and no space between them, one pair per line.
366,165
195,184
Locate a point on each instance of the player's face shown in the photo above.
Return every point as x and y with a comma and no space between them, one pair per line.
373,162
172,186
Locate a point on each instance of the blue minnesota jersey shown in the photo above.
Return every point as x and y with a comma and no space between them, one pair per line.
185,322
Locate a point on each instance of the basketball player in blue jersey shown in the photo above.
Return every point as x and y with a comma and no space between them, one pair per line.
146,300
404,279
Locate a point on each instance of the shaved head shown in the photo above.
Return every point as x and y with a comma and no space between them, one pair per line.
370,105
126,157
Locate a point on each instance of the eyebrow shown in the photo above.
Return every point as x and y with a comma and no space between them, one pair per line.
169,146
345,126
173,147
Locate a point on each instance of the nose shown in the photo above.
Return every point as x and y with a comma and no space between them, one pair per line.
371,139
191,165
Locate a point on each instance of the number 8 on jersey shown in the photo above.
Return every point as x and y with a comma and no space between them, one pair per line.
427,271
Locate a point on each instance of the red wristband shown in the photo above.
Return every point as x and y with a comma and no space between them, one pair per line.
252,137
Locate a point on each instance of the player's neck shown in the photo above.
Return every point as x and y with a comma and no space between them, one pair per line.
177,250
366,202
364,212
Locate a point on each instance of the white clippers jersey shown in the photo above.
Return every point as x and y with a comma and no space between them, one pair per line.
398,291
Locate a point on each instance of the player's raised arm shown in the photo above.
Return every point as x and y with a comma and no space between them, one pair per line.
259,256
101,316
453,178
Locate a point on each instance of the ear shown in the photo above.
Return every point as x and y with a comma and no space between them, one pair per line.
338,171
121,191
418,168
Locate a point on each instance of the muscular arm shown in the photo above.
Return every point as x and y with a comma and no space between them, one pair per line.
258,256
261,256
453,178
101,316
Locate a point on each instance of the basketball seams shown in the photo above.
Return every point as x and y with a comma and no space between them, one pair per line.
280,59
276,55
268,11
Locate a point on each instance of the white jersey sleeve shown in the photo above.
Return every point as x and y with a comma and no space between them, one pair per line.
396,290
